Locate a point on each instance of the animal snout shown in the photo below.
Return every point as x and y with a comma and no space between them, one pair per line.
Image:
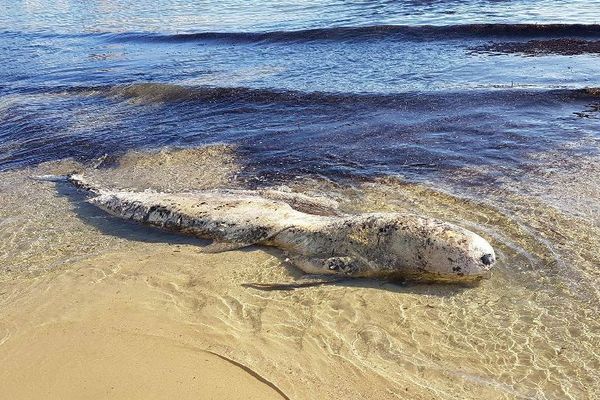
487,259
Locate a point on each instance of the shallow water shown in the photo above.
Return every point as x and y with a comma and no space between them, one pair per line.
531,331
482,113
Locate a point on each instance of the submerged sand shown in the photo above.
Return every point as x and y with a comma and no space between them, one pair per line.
89,332
92,306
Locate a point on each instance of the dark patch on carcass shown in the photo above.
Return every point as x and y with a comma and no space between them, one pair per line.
487,259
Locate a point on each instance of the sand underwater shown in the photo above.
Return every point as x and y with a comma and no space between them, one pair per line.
93,307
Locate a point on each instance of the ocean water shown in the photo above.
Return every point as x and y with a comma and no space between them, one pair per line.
300,87
483,113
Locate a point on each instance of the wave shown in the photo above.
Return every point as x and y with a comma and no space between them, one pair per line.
171,93
401,32
343,33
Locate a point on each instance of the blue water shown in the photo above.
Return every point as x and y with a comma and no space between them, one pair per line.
332,88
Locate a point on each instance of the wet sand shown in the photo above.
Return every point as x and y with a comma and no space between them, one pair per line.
87,332
70,329
91,304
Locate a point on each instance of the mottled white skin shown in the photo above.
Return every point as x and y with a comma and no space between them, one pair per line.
387,245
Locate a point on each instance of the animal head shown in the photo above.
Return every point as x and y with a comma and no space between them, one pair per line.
455,252
439,250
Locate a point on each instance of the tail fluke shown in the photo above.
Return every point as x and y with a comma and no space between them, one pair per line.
51,178
76,180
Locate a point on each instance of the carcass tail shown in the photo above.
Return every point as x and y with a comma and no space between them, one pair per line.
77,180
51,178
80,182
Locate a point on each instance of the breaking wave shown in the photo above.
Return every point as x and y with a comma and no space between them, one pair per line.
400,32
164,93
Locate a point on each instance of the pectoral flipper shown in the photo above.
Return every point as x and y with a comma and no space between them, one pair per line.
348,266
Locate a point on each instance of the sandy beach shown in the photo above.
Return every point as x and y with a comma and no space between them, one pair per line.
94,307
93,332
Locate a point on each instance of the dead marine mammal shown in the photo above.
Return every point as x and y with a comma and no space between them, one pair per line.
386,245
